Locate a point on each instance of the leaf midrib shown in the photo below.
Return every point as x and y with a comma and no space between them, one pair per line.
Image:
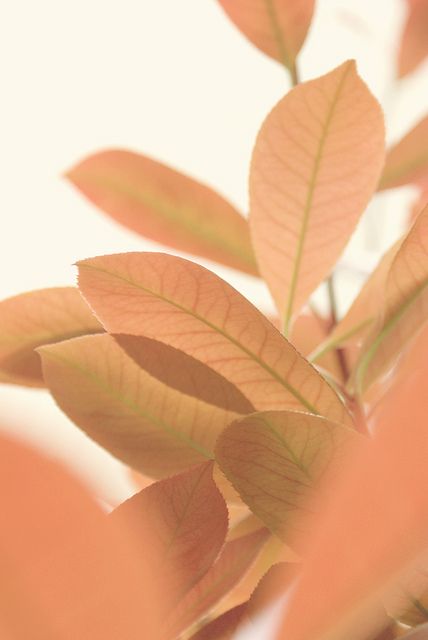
309,200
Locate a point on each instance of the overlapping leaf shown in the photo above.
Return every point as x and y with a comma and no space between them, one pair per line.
316,162
165,206
414,42
36,318
151,426
276,460
364,311
66,572
277,27
272,585
407,160
188,516
188,307
405,308
233,563
372,527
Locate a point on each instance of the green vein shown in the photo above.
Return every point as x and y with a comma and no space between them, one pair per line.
309,200
367,358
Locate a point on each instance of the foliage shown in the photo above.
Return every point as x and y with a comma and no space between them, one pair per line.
286,455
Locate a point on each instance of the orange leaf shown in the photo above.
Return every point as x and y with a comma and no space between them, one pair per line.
407,161
32,319
188,307
372,527
404,309
308,332
232,565
276,460
316,163
363,313
165,206
277,27
149,425
67,572
188,517
414,42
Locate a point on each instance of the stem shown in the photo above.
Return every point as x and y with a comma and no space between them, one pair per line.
294,74
340,354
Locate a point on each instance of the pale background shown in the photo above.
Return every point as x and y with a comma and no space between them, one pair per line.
175,80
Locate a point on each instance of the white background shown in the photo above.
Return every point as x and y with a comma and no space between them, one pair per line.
172,79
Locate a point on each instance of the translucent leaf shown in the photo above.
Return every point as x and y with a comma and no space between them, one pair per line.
316,163
188,307
165,206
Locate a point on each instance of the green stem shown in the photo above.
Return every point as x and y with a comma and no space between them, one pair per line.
340,353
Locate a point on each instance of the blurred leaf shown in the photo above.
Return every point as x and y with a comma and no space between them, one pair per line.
371,528
405,306
408,603
277,27
414,41
188,517
407,160
232,565
270,586
188,307
32,319
421,633
138,418
67,573
275,460
364,311
316,163
165,206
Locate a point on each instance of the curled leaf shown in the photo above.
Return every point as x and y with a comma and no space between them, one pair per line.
165,206
405,306
407,160
316,163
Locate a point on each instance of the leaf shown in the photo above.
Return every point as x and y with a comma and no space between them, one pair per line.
32,319
165,206
407,161
276,27
275,460
371,528
310,330
269,588
233,563
186,306
408,603
145,423
414,43
223,627
404,310
67,572
316,163
188,516
421,633
364,311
